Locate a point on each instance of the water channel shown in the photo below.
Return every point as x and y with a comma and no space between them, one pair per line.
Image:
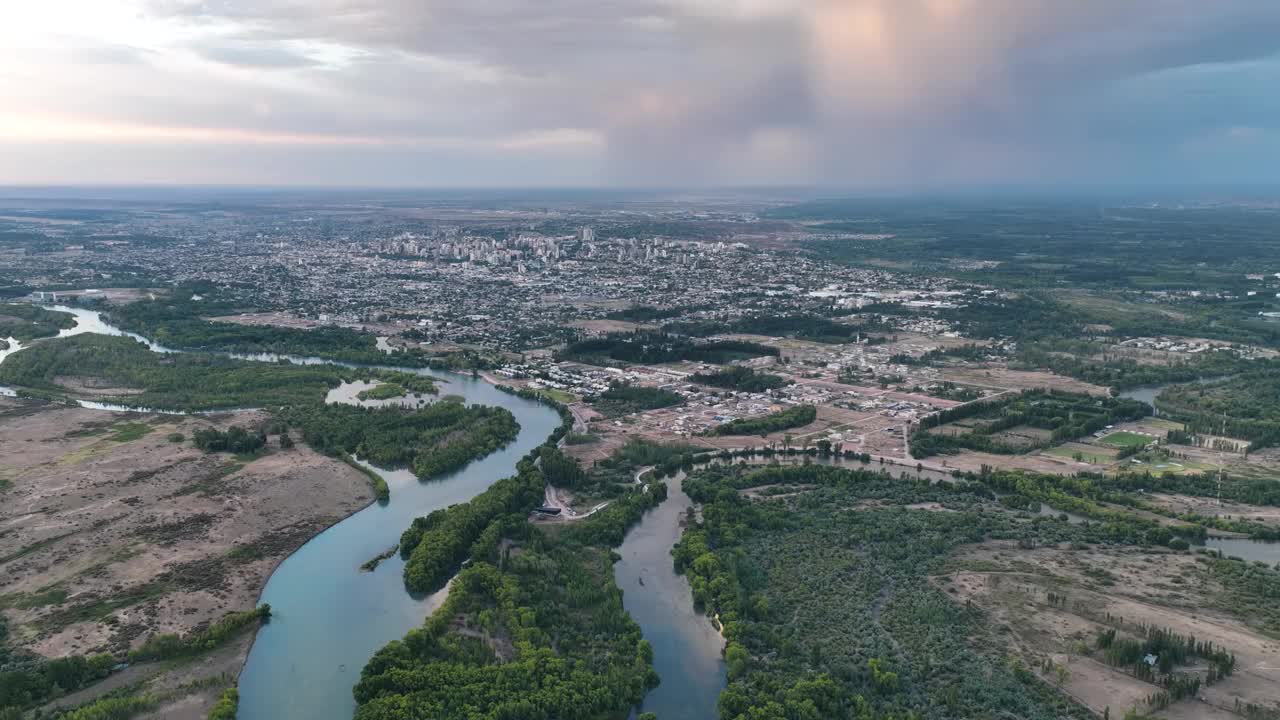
1246,549
329,617
686,646
1249,550
1149,393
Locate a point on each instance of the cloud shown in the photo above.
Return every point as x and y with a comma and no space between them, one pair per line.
559,138
255,56
868,93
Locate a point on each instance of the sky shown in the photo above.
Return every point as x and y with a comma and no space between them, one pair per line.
870,94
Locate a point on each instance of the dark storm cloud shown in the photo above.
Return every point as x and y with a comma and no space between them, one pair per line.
865,92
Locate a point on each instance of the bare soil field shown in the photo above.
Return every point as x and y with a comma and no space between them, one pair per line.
589,453
114,295
609,326
1209,507
1112,588
111,532
970,461
269,319
1006,379
855,431
1022,436
1154,426
907,341
1260,464
93,387
1093,456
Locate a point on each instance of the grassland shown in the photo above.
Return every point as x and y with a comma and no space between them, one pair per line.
559,396
139,537
130,431
1083,453
383,391
1125,439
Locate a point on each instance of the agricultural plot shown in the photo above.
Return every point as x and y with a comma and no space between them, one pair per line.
1162,463
1023,436
559,396
1160,425
1125,439
1080,452
1016,424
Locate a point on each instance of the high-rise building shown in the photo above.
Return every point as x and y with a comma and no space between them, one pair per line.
588,235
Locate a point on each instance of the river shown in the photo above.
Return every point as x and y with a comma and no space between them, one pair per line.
10,347
349,393
686,647
1250,550
328,616
1246,549
1149,393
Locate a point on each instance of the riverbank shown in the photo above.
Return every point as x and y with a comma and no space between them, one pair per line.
686,644
111,532
329,616
192,536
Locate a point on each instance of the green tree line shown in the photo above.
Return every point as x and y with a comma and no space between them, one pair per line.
25,323
433,439
740,378
793,417
533,628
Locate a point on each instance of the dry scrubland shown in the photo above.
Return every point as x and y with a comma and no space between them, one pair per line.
110,533
1113,588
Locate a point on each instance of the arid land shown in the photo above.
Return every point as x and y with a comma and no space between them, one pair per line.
112,530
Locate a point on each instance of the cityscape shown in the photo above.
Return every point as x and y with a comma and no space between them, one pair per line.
213,383
639,360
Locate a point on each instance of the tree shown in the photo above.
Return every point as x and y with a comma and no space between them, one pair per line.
736,658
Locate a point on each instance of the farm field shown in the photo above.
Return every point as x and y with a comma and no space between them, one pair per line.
1124,439
559,396
1081,452
1015,423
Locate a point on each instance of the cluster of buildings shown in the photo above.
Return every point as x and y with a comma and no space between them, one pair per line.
496,281
527,252
585,380
496,285
1185,346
